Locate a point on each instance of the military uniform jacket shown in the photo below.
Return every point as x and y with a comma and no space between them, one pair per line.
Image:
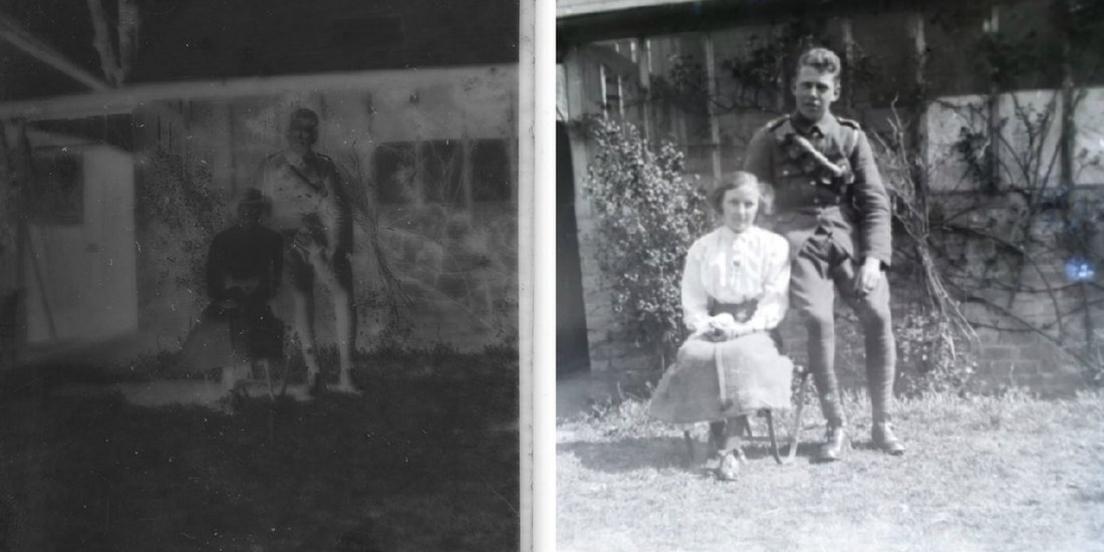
309,196
854,210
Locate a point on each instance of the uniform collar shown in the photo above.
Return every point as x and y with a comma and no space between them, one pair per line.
295,159
826,126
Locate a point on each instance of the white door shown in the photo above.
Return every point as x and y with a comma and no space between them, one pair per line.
80,267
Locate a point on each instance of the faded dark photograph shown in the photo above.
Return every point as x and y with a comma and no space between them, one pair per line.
828,275
259,275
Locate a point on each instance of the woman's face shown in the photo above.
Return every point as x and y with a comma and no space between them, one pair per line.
739,207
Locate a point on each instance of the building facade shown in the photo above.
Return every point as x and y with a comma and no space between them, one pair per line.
1002,86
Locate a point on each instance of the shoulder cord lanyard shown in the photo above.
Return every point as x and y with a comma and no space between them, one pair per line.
320,187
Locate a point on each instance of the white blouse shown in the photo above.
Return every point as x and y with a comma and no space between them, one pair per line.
734,268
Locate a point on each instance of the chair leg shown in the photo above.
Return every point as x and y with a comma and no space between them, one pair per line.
769,415
268,377
689,447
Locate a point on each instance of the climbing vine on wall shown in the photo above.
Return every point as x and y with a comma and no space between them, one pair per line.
1024,236
178,213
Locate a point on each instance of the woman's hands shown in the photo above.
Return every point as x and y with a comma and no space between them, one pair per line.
722,327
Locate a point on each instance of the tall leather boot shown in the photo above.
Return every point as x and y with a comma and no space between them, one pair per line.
828,388
882,435
835,443
881,364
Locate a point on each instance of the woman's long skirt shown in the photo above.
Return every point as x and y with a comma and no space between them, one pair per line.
712,381
227,337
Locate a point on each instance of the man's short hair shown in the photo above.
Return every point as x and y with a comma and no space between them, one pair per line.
742,179
304,113
821,59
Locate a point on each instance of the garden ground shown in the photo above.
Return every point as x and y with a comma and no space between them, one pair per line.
982,473
426,459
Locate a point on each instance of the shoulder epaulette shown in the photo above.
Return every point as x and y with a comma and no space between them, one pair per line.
775,123
849,123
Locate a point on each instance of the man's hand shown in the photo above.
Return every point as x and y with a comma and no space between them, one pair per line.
870,274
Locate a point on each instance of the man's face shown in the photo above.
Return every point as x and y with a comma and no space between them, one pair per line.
814,92
302,133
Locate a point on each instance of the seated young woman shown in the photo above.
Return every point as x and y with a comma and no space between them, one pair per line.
735,288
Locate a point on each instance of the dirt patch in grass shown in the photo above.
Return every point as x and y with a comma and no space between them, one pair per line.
1012,473
426,459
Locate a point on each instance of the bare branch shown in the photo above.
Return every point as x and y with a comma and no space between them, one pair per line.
128,36
101,40
115,62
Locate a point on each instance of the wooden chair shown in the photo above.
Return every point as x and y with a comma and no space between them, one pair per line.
801,374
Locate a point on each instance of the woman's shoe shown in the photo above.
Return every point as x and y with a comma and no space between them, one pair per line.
731,462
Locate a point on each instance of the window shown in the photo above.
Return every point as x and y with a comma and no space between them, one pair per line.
441,171
56,193
611,91
490,171
396,172
443,165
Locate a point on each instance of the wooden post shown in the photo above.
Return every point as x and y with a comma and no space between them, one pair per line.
1069,125
466,171
679,125
847,36
918,131
644,63
784,73
711,94
992,26
1066,143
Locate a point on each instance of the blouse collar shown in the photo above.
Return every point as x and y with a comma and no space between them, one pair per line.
729,235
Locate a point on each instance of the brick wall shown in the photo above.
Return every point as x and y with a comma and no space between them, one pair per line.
1009,354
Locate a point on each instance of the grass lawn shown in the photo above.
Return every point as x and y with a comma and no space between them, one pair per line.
426,459
1010,473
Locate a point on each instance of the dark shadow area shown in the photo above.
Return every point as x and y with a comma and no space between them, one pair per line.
572,348
638,453
629,454
759,449
418,462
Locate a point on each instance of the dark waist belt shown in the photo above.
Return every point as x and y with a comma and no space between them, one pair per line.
740,311
820,199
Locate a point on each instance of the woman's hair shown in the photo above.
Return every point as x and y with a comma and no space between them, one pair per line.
742,179
252,200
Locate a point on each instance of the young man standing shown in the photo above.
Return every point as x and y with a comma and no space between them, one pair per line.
312,209
833,208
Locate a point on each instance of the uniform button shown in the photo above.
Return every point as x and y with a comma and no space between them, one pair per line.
785,172
812,182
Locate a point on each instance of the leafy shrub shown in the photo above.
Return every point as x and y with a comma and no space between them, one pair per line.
648,213
178,212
